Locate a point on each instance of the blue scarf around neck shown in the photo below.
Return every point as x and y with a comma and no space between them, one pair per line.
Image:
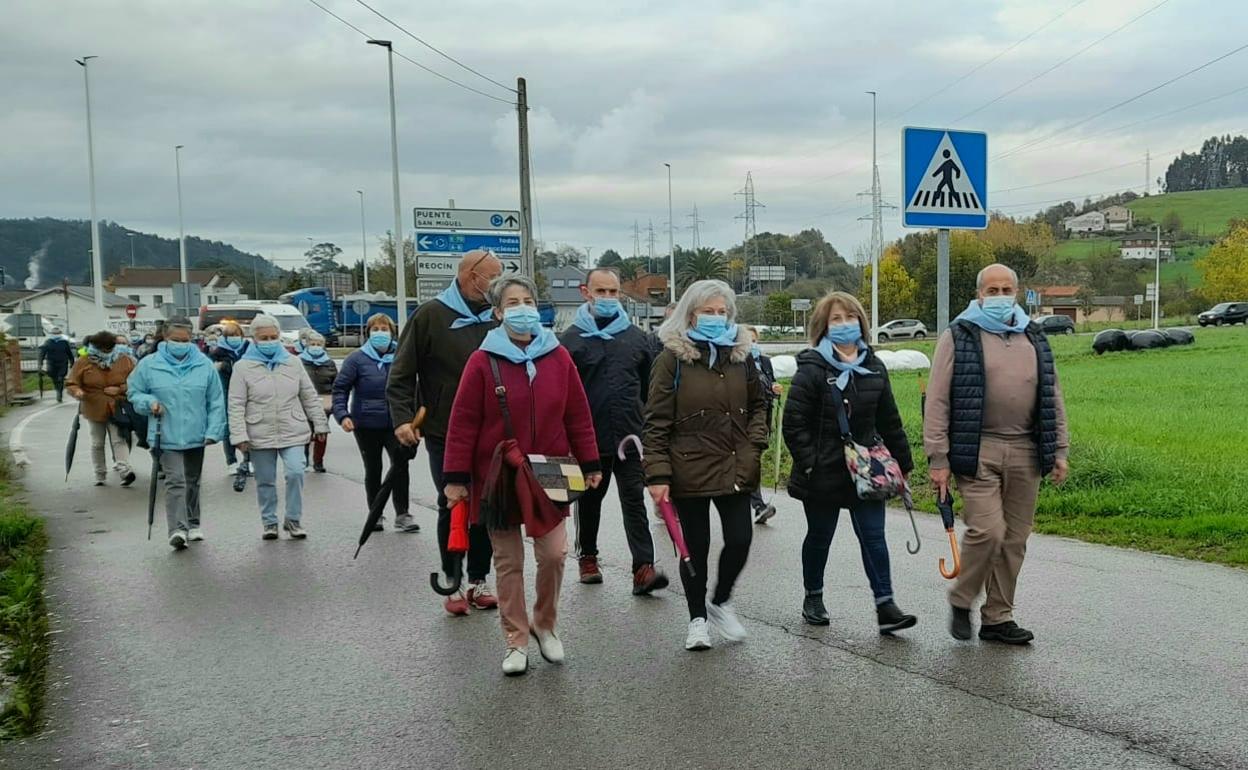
180,364
846,368
382,360
451,297
976,315
253,354
588,323
727,339
498,343
318,360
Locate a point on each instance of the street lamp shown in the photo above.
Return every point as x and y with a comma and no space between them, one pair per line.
363,242
177,162
96,268
671,241
400,263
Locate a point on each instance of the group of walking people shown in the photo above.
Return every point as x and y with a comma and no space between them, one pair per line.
518,423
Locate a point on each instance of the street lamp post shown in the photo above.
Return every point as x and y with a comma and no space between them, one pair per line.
400,266
363,242
96,266
671,241
177,162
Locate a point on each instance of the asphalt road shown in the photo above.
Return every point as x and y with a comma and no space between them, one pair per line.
241,653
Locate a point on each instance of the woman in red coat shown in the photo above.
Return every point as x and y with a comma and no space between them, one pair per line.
549,415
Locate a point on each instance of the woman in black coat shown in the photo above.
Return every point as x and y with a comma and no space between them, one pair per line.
841,364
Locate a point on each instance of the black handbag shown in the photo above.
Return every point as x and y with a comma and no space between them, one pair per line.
130,422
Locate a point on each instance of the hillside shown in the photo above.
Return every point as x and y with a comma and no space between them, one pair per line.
42,252
1203,212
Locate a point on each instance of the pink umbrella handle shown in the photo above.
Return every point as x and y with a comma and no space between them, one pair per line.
630,438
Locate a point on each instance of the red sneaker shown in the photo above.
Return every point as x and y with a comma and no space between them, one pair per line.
456,604
589,570
647,580
480,596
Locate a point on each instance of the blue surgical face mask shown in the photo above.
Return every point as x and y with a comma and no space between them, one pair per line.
522,319
233,343
606,307
177,349
124,350
212,343
711,325
380,339
999,308
268,348
315,350
845,334
755,350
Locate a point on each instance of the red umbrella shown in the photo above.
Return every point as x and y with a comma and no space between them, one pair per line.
666,510
456,543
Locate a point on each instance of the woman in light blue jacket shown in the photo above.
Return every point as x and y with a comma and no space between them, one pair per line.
178,386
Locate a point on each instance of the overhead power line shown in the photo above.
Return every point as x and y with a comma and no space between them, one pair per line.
410,60
433,48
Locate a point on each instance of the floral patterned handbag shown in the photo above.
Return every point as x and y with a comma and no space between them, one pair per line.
876,475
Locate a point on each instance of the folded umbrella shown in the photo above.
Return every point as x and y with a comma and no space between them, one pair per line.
945,505
378,505
908,500
779,444
457,544
72,446
668,512
155,451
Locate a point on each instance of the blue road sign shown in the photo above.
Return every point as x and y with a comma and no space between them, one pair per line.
944,178
1032,297
434,242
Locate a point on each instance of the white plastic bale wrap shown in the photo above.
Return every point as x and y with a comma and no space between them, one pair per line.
784,366
903,360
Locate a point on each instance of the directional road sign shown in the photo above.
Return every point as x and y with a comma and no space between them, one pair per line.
427,289
434,242
468,219
436,265
944,178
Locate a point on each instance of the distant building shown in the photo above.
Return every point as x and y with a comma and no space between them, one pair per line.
563,290
647,299
1144,246
1091,222
1059,300
1118,219
75,313
151,288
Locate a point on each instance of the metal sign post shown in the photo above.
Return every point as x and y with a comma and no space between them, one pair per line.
942,279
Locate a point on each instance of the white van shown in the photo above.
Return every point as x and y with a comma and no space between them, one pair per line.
288,316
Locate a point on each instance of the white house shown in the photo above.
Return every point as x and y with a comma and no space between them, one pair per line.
1091,222
75,312
151,288
1144,246
1118,219
563,290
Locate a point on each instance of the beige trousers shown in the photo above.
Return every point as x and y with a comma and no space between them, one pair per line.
999,506
550,551
102,432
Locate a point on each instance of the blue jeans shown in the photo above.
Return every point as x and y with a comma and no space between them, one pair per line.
867,517
264,466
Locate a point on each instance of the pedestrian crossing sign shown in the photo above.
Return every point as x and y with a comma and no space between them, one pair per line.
944,178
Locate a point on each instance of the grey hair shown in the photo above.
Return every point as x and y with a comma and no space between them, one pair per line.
263,321
179,322
697,295
314,338
979,279
502,283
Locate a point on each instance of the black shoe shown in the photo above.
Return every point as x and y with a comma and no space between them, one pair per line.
813,611
891,618
128,479
380,526
1008,632
959,623
240,481
318,468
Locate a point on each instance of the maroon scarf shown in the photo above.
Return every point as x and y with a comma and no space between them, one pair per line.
512,496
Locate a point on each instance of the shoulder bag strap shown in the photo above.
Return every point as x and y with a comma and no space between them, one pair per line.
501,393
842,407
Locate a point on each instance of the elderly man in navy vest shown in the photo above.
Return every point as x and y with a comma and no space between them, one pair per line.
996,422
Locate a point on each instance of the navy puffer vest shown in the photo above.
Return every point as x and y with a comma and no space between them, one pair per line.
966,399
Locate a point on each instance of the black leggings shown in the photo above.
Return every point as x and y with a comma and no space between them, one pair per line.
695,521
372,442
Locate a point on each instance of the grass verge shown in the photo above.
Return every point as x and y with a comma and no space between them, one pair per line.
1156,442
23,615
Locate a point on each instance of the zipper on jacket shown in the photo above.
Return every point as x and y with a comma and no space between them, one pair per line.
687,418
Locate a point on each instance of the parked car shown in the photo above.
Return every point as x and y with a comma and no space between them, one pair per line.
903,329
1055,324
1225,313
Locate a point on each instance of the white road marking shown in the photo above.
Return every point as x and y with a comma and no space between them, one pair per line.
15,438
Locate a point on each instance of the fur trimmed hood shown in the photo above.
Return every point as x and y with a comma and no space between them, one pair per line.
687,352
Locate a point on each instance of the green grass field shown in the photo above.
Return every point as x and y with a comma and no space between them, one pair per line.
1078,249
1157,438
1204,212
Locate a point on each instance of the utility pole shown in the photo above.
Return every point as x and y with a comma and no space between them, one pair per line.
671,240
636,240
96,259
131,235
526,203
877,227
363,242
400,255
589,257
1148,173
1157,283
177,163
697,240
650,246
751,228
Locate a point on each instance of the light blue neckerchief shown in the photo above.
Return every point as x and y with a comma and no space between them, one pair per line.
253,354
586,321
318,360
182,364
102,359
498,343
846,368
726,340
976,315
451,297
382,360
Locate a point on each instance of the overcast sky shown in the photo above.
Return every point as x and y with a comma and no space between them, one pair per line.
283,110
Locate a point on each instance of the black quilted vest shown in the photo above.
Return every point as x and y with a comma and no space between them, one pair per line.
966,399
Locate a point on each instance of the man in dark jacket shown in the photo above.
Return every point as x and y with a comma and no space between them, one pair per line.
763,511
433,351
613,359
995,420
58,355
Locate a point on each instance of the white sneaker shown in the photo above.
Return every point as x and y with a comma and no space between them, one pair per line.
515,662
724,619
178,540
699,637
195,535
549,644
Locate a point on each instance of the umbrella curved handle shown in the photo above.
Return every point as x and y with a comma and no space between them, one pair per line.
630,438
456,576
957,560
918,541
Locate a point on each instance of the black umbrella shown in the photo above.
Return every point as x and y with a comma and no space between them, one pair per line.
378,505
151,487
72,446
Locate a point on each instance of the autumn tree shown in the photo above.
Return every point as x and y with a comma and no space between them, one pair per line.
1225,268
898,291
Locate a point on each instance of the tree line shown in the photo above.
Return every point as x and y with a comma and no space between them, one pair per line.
1221,162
